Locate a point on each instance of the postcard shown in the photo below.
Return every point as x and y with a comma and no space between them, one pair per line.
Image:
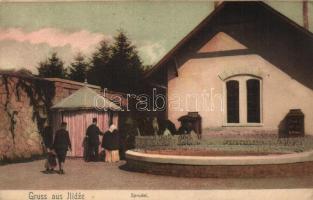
156,100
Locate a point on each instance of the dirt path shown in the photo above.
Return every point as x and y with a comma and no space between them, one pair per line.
100,175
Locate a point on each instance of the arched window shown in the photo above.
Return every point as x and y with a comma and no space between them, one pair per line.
243,100
253,101
232,101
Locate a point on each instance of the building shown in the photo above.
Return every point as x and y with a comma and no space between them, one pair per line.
78,110
243,68
25,103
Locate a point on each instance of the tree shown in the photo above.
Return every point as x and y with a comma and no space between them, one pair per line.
146,67
22,71
78,69
53,67
116,67
97,74
25,72
125,66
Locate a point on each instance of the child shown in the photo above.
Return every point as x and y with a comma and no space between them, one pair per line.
51,162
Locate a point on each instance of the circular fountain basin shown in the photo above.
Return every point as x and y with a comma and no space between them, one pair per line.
270,165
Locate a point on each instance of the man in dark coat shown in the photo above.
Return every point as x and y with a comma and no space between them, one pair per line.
47,136
61,145
92,134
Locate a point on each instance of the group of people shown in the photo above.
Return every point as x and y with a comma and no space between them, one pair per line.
110,143
57,146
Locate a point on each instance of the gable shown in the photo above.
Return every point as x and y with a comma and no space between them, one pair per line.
254,26
221,42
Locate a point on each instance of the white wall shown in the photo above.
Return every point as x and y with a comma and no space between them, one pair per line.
201,79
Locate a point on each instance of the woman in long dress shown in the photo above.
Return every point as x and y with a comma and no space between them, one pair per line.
110,143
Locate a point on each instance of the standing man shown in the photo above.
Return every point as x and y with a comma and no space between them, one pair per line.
48,142
92,134
61,145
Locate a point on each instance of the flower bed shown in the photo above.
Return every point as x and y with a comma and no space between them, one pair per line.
256,144
236,156
206,152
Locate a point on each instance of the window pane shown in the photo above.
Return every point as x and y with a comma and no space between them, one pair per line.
253,100
232,101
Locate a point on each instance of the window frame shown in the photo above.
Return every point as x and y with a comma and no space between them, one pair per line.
253,107
243,110
235,111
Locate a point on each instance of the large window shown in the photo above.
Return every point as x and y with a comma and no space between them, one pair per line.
243,100
232,101
253,101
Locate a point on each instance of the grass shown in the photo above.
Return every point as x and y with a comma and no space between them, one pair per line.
258,144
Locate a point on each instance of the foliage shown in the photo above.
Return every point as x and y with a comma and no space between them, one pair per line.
40,93
53,67
146,67
255,144
78,68
22,71
116,67
125,65
11,114
98,72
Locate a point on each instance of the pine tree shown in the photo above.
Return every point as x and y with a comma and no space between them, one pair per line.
78,68
53,67
98,73
125,65
116,67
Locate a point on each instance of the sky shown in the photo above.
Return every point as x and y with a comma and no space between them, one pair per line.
31,31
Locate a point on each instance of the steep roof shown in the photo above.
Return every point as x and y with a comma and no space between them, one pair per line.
204,24
85,98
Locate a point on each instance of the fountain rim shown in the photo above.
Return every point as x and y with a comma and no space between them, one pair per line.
221,160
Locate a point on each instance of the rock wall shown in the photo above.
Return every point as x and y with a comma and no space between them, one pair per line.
19,114
25,103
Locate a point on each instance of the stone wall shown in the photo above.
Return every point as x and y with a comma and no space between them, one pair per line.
22,111
222,171
24,108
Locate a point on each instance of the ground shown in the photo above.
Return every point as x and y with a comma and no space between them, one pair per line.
100,175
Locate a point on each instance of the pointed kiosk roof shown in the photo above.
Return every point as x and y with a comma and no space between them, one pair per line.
86,98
